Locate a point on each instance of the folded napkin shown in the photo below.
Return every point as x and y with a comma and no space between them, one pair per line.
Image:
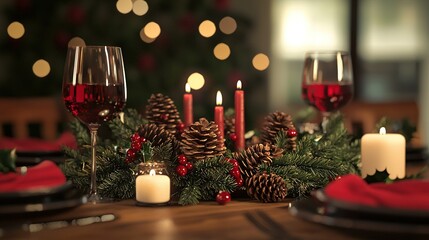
405,194
43,175
39,145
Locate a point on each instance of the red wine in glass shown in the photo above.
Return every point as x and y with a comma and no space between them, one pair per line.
94,103
327,97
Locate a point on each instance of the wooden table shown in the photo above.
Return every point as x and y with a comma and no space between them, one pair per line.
208,220
239,219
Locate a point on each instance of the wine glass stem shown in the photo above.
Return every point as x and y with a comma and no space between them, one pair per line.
93,196
325,120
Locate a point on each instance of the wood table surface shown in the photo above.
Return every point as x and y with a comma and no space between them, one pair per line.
239,219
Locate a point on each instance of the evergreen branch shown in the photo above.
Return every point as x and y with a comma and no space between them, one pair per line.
80,132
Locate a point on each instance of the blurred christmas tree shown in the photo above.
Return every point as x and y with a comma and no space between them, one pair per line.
159,65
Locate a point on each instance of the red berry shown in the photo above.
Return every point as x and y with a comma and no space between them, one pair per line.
239,181
142,140
180,127
235,172
223,197
234,162
182,159
136,145
131,154
135,137
291,133
181,170
233,137
189,165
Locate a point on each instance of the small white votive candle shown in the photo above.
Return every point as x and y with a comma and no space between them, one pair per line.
152,188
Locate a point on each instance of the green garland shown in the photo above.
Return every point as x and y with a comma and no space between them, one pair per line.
317,160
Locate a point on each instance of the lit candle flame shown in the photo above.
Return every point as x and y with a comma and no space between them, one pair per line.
339,67
218,98
187,88
152,172
239,84
383,131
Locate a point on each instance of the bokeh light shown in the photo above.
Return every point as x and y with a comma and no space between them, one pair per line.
196,80
16,30
221,51
124,6
228,25
152,30
144,37
140,7
41,68
260,61
76,41
207,28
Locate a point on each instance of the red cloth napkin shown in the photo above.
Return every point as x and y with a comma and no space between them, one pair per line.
405,194
39,145
43,175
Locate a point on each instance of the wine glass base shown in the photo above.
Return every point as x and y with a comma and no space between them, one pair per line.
94,198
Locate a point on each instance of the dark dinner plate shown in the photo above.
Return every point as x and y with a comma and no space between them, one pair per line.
359,210
30,195
315,211
25,205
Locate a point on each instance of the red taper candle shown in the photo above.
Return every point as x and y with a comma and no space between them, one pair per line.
187,106
219,115
239,117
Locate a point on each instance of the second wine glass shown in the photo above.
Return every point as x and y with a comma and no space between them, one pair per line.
327,81
94,91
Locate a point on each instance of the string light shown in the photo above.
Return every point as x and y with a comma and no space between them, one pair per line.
228,25
140,7
16,30
124,6
207,28
196,80
222,51
76,41
144,37
152,30
260,61
41,68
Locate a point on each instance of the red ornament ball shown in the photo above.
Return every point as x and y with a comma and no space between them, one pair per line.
291,133
233,137
223,197
131,154
143,140
189,165
182,159
181,170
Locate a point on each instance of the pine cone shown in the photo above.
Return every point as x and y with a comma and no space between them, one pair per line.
266,187
254,155
158,136
273,124
229,125
162,111
200,141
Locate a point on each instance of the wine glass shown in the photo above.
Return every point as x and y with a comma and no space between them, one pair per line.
94,91
327,82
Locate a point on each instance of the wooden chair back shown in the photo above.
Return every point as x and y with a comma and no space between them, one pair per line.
19,113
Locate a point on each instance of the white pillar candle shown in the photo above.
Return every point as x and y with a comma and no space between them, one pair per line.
152,188
383,152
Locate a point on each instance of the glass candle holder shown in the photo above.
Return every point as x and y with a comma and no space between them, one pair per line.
152,184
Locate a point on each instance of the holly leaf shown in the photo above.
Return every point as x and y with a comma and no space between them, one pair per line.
7,161
380,176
